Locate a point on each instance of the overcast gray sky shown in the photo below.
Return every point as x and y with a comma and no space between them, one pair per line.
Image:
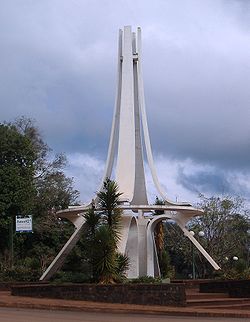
58,66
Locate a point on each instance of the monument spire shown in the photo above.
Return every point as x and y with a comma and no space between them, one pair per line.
129,127
128,133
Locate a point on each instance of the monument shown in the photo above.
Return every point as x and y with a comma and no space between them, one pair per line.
129,132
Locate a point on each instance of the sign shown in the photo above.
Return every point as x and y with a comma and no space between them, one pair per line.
23,224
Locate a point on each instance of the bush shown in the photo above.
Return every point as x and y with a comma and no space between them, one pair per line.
71,277
20,274
146,280
234,274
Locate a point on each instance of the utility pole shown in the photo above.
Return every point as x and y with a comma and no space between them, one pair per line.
11,243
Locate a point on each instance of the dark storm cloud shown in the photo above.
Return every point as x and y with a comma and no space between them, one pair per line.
52,70
205,181
58,65
217,181
201,98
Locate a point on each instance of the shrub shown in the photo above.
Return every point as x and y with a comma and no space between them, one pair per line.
146,280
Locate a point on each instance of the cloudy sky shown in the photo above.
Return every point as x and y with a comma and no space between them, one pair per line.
58,66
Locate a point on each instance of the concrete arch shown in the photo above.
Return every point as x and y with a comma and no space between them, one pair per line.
132,249
152,268
129,243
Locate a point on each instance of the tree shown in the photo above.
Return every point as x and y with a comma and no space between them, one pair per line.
179,248
32,182
92,224
224,218
17,189
108,199
54,191
166,268
17,170
44,163
225,224
159,230
102,235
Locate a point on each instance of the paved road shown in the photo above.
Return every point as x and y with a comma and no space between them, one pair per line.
25,315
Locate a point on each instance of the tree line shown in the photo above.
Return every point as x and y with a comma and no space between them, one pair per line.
32,182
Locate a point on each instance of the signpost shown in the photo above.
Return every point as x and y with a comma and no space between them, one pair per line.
24,224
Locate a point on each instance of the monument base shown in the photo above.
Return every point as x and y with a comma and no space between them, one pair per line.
143,294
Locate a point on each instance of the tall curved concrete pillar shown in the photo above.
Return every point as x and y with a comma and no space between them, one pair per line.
126,127
128,133
125,168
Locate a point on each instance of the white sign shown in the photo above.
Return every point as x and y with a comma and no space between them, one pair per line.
24,224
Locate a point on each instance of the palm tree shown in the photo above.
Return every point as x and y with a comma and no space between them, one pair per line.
159,230
104,233
105,256
108,200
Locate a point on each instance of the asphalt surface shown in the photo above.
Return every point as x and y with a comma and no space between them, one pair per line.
28,315
100,311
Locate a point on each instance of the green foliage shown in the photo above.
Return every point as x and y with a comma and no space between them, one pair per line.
159,202
50,234
146,280
26,270
104,256
54,192
223,220
167,270
108,200
102,233
44,163
122,266
16,171
234,274
70,277
92,223
31,182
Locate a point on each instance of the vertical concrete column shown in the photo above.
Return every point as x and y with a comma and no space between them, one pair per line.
140,191
125,169
116,117
153,268
142,243
132,249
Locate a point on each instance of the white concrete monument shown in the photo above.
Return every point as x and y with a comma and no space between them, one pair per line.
129,131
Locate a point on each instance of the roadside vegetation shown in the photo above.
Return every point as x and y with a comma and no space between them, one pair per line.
32,182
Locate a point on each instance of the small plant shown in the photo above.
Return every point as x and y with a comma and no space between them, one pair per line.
146,280
70,277
122,265
20,274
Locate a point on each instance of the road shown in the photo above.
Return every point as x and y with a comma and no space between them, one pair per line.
26,315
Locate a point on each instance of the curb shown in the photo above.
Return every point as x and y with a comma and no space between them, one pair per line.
133,310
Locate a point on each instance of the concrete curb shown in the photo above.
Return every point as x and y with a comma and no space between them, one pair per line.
62,305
